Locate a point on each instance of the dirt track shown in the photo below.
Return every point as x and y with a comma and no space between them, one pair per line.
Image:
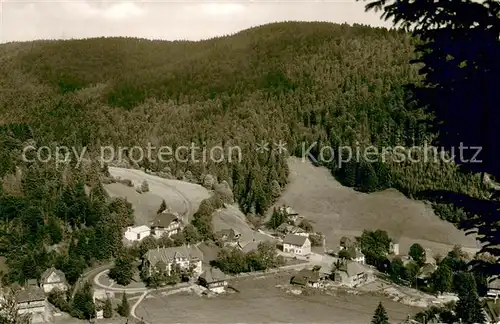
336,210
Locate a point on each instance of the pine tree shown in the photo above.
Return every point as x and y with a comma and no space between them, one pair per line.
124,308
163,207
469,308
108,309
380,316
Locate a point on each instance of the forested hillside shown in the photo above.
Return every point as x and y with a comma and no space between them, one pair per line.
296,82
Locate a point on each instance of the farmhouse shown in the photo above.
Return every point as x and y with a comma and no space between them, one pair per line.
214,280
166,223
32,301
306,278
351,274
289,229
356,255
297,244
138,233
53,278
165,259
345,242
228,237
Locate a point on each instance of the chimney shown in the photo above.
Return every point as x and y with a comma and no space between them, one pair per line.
158,248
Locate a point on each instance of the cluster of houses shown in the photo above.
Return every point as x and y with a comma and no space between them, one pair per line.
165,223
33,298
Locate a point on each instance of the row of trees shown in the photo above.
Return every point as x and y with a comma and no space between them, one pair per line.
234,261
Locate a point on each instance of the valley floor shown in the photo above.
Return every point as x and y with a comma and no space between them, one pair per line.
260,301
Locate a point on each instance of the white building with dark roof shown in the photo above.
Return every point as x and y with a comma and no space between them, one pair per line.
297,244
166,224
52,279
165,259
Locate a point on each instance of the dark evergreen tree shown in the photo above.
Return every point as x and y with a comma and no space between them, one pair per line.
380,316
108,309
163,207
124,308
469,308
82,305
123,271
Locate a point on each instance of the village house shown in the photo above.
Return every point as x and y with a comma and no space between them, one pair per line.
306,278
356,255
289,229
426,272
228,237
394,248
137,233
165,259
214,280
291,216
32,301
325,272
345,243
351,274
297,244
53,278
166,224
248,246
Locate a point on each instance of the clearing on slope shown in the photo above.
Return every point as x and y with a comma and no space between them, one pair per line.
336,211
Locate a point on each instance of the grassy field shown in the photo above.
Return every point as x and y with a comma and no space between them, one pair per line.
336,210
180,196
259,301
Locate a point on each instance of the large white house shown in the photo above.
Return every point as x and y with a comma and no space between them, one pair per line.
297,244
137,233
166,223
53,278
165,259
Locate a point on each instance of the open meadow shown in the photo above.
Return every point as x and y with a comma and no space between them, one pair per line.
259,301
336,211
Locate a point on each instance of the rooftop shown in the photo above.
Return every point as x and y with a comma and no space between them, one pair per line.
213,275
164,220
167,255
138,229
46,274
352,268
297,240
30,294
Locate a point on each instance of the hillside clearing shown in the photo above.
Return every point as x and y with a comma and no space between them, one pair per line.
336,211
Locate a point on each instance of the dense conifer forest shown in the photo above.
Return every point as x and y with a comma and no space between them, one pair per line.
301,83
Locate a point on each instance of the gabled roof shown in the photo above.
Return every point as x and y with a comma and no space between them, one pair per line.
305,276
249,246
164,220
167,255
213,275
297,240
352,268
46,274
30,294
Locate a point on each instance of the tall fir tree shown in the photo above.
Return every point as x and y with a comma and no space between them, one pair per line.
380,316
